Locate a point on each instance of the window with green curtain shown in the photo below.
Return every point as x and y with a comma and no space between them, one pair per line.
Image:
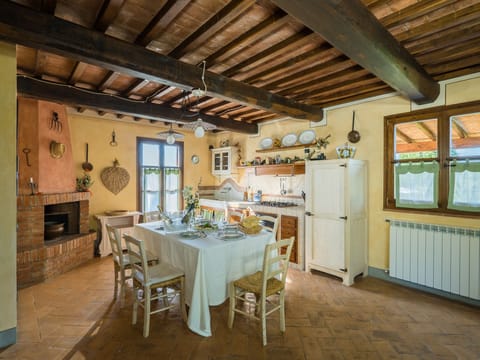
431,160
160,175
417,185
464,192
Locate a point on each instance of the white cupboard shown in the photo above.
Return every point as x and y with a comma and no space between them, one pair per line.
336,218
222,160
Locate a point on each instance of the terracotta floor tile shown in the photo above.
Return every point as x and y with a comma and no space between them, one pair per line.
74,316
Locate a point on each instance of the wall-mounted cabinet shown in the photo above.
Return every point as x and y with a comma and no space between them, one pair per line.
222,160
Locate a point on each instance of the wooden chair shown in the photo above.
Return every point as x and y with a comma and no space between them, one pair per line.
121,262
148,279
235,216
270,224
150,216
270,281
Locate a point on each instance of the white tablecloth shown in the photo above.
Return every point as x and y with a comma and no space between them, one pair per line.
209,265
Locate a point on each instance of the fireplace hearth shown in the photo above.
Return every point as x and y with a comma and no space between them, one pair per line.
41,255
61,219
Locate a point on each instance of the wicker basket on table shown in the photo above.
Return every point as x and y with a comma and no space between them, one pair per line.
250,230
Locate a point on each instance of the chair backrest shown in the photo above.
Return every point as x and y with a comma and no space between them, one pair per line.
138,258
235,216
270,223
116,244
276,260
150,216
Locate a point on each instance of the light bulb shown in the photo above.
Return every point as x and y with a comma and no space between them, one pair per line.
170,139
199,131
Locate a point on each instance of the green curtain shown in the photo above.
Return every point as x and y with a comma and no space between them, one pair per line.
416,185
464,190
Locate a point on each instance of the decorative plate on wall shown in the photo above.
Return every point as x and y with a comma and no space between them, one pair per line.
289,140
306,137
266,143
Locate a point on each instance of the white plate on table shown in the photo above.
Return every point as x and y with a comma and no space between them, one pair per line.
289,140
306,137
266,143
230,235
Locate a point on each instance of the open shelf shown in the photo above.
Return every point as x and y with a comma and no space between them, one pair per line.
285,148
292,169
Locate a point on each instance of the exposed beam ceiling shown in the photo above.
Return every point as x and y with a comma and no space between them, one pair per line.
24,26
79,98
352,28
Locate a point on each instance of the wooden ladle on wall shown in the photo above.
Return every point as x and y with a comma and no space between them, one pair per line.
86,166
354,135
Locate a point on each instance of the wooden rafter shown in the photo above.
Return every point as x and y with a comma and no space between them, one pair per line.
269,25
424,129
227,14
161,20
353,29
75,97
24,26
458,125
108,13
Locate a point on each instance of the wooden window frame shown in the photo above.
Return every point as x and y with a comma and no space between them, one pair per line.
161,143
442,114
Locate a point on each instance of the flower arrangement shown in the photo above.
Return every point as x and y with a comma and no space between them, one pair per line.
191,200
323,142
84,182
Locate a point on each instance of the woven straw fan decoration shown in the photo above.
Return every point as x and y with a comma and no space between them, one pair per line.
115,178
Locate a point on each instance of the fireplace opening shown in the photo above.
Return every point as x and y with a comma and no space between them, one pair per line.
61,220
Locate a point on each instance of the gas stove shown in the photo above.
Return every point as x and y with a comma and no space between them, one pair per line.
278,203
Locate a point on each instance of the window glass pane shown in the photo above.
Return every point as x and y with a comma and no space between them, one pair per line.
171,156
150,188
416,139
151,154
465,186
465,135
416,185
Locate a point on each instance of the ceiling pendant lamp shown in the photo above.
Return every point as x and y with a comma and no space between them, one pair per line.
170,136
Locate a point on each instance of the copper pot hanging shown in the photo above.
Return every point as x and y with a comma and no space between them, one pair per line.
354,135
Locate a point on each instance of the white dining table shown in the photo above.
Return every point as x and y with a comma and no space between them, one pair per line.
209,264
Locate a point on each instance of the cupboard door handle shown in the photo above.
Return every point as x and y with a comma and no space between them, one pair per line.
308,213
343,217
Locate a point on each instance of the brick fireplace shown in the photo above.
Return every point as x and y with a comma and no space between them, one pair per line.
38,259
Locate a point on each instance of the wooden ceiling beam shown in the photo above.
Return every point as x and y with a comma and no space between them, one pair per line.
107,14
69,95
217,22
353,29
77,72
161,20
28,27
263,29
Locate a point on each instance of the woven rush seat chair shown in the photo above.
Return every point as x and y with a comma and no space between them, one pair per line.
263,284
121,262
148,280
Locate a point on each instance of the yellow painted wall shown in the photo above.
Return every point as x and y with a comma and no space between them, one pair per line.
97,133
8,220
369,122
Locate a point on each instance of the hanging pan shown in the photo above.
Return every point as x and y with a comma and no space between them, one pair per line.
86,166
354,135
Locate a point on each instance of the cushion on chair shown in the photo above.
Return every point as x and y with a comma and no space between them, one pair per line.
253,283
160,273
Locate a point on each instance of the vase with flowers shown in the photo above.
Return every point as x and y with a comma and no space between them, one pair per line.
191,200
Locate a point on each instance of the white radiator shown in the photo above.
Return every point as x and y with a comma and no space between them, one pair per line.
440,257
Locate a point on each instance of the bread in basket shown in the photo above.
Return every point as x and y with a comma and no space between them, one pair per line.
250,225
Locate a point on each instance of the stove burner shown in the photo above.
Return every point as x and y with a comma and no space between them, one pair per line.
278,203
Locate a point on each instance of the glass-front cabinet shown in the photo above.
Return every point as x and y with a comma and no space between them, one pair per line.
222,160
